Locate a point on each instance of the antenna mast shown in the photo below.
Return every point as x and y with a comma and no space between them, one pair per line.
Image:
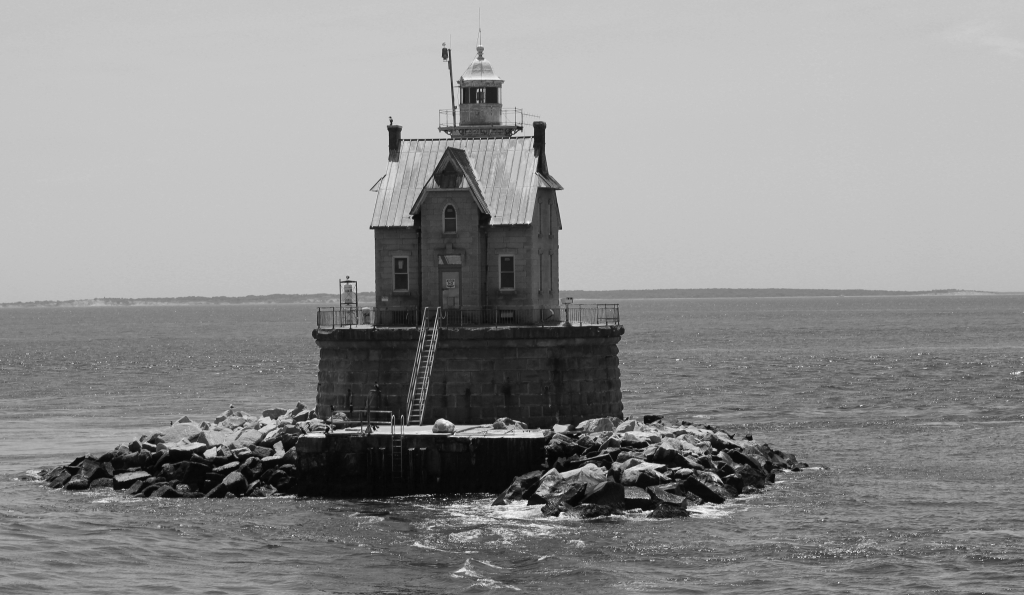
446,55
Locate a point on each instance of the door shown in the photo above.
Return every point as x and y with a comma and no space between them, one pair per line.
451,289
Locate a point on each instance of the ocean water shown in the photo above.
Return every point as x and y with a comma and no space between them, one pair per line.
910,409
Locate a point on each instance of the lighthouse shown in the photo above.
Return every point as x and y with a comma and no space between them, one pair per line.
467,323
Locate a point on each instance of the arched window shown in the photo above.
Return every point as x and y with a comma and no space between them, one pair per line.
450,221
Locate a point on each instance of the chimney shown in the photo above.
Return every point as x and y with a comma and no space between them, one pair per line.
394,141
539,140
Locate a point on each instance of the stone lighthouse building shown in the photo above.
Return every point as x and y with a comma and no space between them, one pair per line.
467,323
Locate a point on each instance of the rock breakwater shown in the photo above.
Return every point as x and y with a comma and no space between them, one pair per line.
235,455
606,466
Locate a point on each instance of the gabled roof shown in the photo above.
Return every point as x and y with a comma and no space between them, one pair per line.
504,169
457,159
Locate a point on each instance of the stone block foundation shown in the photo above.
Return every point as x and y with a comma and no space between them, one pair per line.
538,375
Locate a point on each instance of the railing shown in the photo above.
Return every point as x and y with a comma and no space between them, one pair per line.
573,314
511,117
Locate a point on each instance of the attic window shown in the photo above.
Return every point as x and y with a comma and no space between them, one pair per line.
449,178
450,221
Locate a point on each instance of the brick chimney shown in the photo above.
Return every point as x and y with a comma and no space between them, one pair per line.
394,141
539,141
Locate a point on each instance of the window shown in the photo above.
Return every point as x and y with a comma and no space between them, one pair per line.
507,270
401,273
492,95
450,221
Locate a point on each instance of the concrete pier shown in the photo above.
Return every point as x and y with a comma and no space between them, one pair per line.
349,463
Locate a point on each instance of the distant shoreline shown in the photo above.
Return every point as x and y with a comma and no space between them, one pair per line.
328,299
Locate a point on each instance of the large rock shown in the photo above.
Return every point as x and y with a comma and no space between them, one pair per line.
589,475
706,489
274,413
643,475
166,491
561,502
179,432
247,438
443,426
125,480
666,510
522,488
609,494
507,423
561,445
601,424
217,437
235,483
637,498
77,482
551,484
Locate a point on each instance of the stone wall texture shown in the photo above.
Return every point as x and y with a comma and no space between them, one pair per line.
538,375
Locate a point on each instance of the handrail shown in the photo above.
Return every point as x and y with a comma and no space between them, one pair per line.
411,398
472,316
425,391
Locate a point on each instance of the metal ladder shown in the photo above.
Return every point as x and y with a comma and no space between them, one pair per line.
397,444
419,384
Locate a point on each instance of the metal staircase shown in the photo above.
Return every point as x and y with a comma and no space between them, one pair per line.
419,385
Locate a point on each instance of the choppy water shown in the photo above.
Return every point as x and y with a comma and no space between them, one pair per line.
915,405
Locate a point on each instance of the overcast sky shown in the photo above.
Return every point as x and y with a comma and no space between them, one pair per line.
227,148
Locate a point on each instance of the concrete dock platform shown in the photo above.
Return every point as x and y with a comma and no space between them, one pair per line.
386,462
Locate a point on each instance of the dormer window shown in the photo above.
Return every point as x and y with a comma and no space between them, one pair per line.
450,220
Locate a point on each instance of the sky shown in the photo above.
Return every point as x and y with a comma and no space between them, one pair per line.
164,149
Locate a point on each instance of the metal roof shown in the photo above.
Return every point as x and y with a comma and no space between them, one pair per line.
479,69
505,171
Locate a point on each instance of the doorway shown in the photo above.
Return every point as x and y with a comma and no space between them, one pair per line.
451,289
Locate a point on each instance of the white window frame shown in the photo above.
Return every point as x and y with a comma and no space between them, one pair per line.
501,286
395,273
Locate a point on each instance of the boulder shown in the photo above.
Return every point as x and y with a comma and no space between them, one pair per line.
217,437
507,423
608,494
78,482
166,491
643,475
442,426
561,445
635,497
91,469
663,494
522,488
227,468
560,428
589,475
235,483
182,420
125,480
179,432
551,484
666,510
247,438
705,489
590,511
601,424
218,491
559,503
274,413
302,416
630,425
650,419
251,468
262,451
134,446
